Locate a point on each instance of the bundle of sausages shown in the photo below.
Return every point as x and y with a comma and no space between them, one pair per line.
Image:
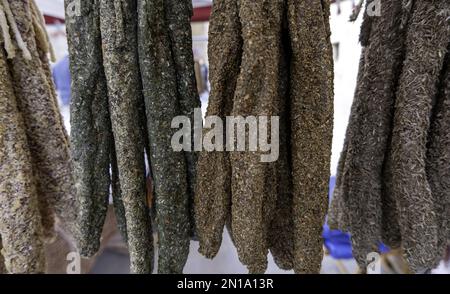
393,178
270,58
36,182
133,72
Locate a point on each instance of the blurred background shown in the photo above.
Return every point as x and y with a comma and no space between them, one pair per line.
338,258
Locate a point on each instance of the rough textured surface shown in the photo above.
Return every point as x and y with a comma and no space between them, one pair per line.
20,222
178,16
337,212
253,182
118,23
311,98
119,208
46,136
390,230
35,166
46,210
62,207
392,172
280,234
90,125
438,159
270,58
213,195
426,47
159,79
360,176
132,67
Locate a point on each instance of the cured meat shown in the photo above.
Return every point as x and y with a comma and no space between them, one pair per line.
162,104
91,135
118,25
213,194
20,221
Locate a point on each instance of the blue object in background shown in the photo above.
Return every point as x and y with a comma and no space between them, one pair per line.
62,79
383,248
338,243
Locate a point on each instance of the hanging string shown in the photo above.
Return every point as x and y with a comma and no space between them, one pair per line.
9,47
12,23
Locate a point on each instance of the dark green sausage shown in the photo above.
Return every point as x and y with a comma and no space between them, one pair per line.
119,208
162,105
91,136
178,16
118,23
